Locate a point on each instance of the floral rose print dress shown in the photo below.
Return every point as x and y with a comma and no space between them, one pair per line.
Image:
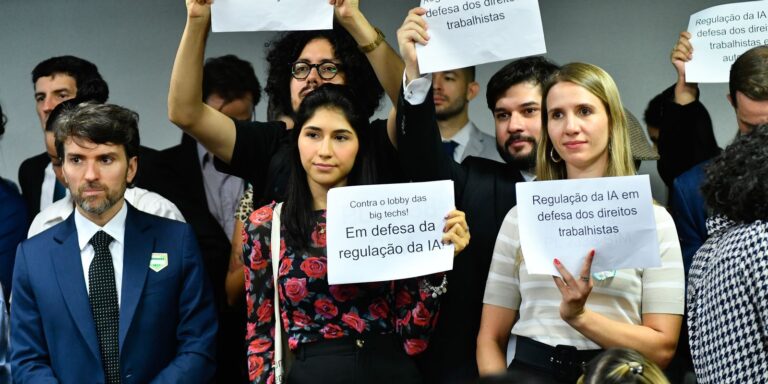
312,310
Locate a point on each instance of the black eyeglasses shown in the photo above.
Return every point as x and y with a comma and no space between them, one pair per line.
328,70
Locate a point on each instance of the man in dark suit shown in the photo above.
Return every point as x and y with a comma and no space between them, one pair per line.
208,199
111,294
55,80
484,190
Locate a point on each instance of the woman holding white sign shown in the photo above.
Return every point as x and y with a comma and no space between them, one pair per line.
561,325
354,333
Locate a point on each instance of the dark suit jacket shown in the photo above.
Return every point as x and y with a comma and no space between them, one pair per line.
32,173
690,212
167,318
485,191
183,185
686,137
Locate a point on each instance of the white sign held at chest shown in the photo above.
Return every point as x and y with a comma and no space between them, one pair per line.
464,33
565,219
270,15
387,231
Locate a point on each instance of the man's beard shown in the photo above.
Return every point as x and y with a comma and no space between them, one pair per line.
108,201
449,111
524,163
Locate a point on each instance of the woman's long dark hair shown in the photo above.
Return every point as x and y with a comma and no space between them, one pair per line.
298,217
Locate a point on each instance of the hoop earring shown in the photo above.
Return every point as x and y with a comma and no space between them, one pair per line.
552,155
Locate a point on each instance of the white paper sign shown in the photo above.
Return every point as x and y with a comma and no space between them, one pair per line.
270,15
564,219
470,32
387,232
720,35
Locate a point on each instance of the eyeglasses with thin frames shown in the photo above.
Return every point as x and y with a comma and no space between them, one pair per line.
327,70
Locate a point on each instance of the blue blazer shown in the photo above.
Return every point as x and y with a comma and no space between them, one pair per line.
690,211
167,318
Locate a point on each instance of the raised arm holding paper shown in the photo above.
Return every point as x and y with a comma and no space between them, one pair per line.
689,126
484,189
287,84
564,323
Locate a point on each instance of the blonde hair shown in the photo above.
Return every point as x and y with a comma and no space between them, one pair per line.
622,366
599,83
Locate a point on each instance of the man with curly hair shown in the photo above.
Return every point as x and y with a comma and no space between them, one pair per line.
353,53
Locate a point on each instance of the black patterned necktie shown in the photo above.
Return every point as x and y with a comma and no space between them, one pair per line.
104,306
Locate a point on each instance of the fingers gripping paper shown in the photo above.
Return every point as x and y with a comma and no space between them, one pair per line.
470,32
270,15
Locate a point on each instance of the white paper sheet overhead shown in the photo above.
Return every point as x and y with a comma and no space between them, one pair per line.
270,15
720,35
471,32
387,232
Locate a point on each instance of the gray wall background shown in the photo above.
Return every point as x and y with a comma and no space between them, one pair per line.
134,42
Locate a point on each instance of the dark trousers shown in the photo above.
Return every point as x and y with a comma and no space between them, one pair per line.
539,363
370,360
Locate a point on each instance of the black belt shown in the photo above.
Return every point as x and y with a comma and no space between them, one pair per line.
565,362
346,345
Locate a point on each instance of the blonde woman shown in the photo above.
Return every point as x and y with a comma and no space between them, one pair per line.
562,324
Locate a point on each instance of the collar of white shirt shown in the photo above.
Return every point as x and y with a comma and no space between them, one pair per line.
115,227
462,139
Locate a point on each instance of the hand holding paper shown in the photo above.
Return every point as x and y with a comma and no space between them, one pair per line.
345,9
456,231
575,290
682,53
413,30
199,8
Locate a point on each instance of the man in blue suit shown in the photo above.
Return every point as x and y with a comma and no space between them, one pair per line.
111,295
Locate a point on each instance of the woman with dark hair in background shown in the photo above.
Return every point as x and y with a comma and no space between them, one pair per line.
728,283
563,324
352,333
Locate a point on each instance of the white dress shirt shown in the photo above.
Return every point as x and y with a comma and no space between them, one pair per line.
115,228
141,199
46,191
222,191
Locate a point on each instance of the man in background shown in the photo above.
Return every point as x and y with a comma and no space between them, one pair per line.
208,199
452,91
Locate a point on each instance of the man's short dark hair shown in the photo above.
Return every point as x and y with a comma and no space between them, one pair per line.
100,124
85,73
736,183
231,78
358,72
535,69
749,75
469,73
